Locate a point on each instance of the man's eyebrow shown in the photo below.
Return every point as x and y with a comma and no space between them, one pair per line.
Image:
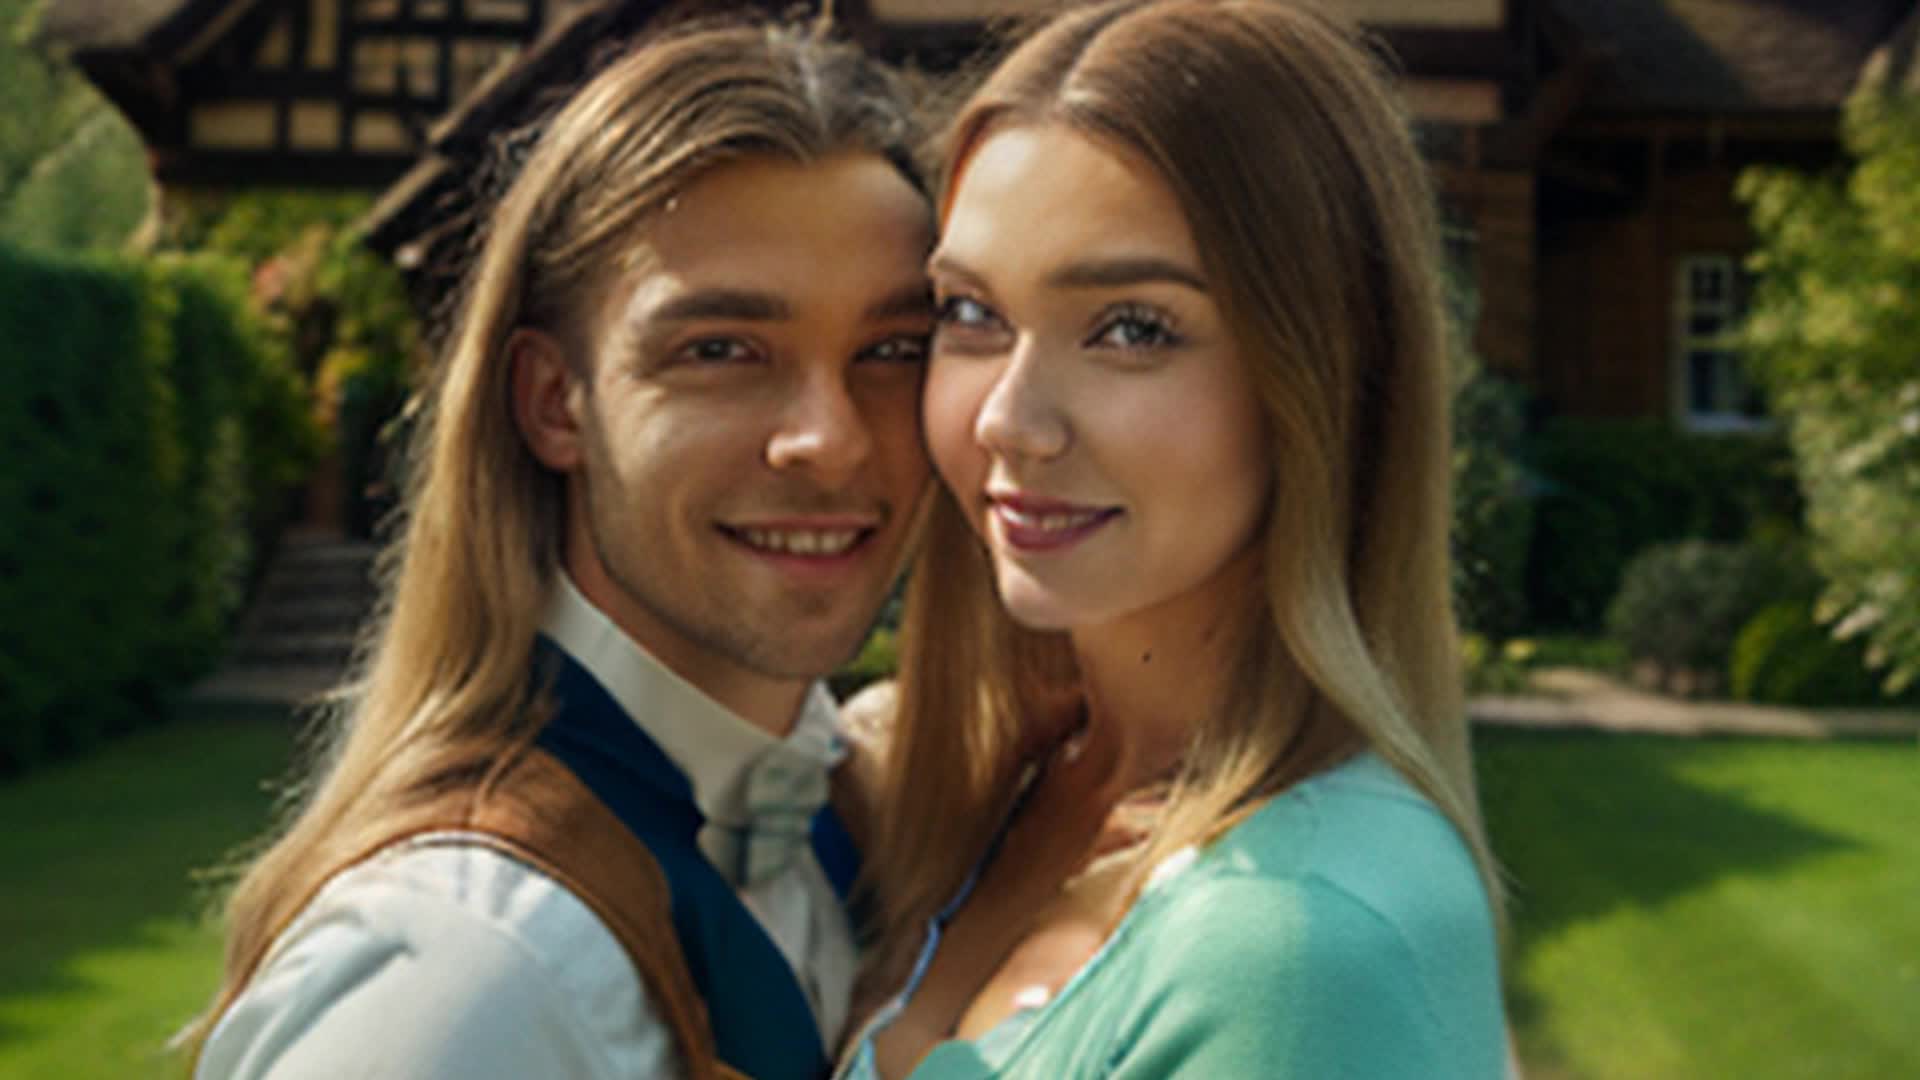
723,304
904,302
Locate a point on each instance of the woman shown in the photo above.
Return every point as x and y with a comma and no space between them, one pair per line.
1214,814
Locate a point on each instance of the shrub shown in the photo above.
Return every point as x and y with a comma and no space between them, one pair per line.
341,310
1492,516
1610,488
1783,657
145,422
1490,668
1681,604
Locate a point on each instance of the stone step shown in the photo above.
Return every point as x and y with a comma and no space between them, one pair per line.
297,638
280,650
337,615
274,686
338,575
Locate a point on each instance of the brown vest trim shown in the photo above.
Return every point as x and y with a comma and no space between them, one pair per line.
540,814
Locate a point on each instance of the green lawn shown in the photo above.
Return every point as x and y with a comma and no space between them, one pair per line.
1710,908
1684,908
106,952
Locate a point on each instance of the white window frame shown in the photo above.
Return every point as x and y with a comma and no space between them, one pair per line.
1704,320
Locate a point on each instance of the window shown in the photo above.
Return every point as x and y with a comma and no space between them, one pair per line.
1711,392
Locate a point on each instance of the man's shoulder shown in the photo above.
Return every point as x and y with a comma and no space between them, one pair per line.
442,933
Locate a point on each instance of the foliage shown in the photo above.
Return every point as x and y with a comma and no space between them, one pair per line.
1492,515
150,429
73,174
1681,604
1610,488
1833,329
878,659
1494,667
1783,657
342,311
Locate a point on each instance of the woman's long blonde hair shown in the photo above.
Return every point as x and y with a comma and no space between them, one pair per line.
1278,132
441,695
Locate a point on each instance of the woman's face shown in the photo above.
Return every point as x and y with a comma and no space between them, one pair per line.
1086,404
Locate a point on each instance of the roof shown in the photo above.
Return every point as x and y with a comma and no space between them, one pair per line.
1729,55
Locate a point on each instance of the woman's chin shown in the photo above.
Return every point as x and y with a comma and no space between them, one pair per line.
1041,610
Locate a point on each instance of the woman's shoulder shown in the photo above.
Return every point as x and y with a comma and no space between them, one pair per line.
1359,830
1322,927
435,934
1351,893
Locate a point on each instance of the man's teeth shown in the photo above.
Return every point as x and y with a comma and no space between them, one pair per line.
802,541
1054,522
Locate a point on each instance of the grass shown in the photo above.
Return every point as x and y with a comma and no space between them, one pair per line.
106,948
1683,908
1710,908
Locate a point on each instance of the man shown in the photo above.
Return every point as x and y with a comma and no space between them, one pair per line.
569,826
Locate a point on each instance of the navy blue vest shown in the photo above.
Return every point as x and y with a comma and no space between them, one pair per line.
762,1024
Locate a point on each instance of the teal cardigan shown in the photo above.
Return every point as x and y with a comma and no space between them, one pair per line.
1340,931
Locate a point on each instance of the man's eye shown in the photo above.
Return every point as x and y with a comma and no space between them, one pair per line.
717,351
1135,329
905,349
964,312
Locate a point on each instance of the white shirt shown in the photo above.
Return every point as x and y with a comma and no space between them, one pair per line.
445,958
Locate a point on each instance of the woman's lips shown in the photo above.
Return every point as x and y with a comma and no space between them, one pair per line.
1035,523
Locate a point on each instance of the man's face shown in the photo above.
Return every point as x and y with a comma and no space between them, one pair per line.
750,445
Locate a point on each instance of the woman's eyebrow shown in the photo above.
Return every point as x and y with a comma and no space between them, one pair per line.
1102,273
1125,270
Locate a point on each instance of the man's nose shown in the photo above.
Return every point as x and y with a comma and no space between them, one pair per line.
821,430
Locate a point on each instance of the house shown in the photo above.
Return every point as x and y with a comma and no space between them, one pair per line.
1588,147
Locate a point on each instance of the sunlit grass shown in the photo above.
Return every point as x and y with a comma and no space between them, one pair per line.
1684,908
107,951
1710,908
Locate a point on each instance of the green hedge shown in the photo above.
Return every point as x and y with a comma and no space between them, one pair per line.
151,430
1608,489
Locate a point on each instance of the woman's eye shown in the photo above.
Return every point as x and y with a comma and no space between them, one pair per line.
717,351
906,349
1135,330
963,312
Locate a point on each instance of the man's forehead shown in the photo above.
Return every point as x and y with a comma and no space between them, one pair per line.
763,205
764,238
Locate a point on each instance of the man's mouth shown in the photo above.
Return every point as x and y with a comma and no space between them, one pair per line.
822,542
812,536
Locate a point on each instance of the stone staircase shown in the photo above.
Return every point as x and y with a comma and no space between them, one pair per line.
296,639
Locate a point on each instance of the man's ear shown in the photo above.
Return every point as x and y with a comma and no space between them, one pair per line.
545,391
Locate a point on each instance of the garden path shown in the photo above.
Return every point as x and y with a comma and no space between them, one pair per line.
1575,698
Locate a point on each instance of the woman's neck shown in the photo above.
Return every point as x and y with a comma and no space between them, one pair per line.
1152,678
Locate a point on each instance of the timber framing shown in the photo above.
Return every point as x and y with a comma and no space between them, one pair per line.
312,92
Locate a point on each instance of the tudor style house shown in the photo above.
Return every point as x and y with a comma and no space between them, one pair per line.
1589,148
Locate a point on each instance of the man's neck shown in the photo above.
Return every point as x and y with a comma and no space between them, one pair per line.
772,705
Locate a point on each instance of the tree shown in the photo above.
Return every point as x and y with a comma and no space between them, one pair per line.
1834,335
72,172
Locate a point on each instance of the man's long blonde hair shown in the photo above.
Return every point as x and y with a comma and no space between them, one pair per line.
441,695
1293,161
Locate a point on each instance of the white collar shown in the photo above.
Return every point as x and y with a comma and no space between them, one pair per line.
711,744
